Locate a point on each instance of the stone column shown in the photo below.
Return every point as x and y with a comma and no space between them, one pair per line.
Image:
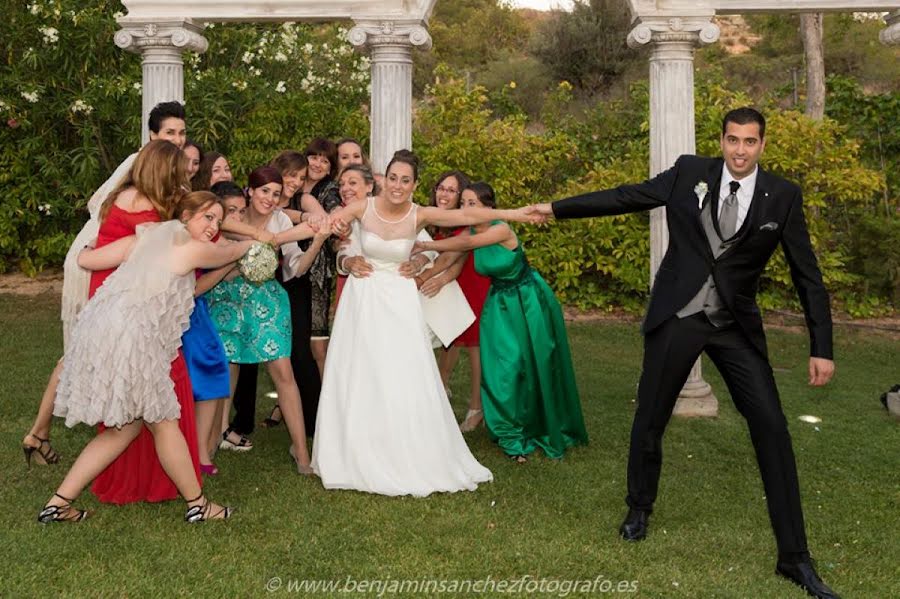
160,45
891,34
390,45
671,135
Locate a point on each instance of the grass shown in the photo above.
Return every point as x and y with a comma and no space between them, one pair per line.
709,536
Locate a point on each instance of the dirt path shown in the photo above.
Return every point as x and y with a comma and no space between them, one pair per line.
16,283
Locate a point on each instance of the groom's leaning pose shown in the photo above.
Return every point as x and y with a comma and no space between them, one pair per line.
725,218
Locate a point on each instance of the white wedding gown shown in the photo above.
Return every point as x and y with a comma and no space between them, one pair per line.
384,423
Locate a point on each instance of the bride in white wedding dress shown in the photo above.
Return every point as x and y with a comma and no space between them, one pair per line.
384,423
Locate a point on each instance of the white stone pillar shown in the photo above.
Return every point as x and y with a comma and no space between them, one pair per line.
671,135
160,45
890,36
390,45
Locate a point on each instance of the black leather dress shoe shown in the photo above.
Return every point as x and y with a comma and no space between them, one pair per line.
804,576
634,528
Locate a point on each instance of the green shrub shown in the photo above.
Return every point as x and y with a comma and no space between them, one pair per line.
70,103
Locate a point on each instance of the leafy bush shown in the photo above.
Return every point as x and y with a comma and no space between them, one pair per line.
71,111
586,46
71,107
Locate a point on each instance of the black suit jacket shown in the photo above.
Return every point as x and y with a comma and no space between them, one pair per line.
775,216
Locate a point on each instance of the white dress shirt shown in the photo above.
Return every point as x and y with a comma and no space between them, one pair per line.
744,193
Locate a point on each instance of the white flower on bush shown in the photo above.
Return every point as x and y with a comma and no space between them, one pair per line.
118,15
81,106
44,208
862,17
308,48
239,85
280,57
31,96
3,106
51,34
281,87
248,57
256,71
137,87
34,8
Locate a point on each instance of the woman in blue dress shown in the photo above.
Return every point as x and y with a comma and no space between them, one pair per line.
208,368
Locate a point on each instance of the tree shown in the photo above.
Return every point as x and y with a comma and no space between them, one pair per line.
587,45
467,35
811,34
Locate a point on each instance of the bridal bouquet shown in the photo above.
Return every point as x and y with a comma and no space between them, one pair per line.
259,263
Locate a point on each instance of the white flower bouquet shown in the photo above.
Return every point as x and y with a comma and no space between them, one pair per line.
259,263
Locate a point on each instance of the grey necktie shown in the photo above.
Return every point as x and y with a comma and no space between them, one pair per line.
729,214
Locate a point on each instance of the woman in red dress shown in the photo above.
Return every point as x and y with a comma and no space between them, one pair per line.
460,267
137,475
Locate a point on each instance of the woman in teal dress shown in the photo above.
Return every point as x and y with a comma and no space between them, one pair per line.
528,384
254,320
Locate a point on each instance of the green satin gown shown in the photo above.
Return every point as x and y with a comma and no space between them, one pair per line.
528,389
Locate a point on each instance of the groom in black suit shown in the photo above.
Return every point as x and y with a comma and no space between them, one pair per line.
725,218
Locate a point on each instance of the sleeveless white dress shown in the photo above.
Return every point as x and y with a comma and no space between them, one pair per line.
116,365
76,280
384,423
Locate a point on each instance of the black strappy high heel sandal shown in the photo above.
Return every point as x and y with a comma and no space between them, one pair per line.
62,513
271,421
204,511
46,455
244,443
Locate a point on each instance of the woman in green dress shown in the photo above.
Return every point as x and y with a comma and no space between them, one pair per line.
528,385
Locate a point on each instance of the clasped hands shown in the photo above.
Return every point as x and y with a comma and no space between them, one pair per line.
360,268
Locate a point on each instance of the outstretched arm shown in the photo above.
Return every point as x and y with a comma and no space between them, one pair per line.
246,231
296,261
445,261
202,254
295,233
652,193
210,279
429,215
495,234
446,269
109,256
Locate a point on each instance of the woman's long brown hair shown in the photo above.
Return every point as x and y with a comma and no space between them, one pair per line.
158,174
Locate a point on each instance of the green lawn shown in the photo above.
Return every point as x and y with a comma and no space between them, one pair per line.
709,536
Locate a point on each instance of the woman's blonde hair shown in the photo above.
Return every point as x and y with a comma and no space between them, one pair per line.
158,174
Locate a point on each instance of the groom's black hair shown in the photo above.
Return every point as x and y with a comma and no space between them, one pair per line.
744,116
163,111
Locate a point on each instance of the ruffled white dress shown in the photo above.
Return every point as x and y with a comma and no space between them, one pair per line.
76,280
384,423
116,366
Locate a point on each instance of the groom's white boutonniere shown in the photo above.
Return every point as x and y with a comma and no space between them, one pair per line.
701,190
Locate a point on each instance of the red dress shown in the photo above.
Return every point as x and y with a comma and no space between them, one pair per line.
137,475
475,287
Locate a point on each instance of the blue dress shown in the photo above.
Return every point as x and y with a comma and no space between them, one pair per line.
205,355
